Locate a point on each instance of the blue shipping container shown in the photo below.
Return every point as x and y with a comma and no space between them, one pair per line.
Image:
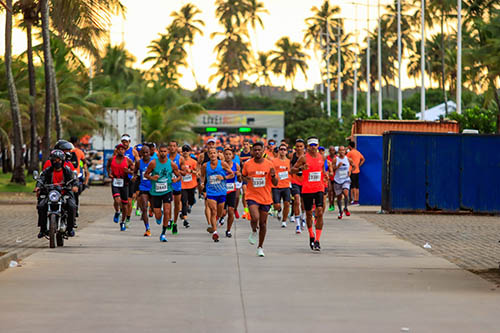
447,172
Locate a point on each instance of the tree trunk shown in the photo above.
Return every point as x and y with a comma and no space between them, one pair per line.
44,8
442,66
57,111
4,155
18,174
33,164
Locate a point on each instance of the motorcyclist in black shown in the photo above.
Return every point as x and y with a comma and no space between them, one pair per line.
57,173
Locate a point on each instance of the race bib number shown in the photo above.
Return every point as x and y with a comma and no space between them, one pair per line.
214,180
187,178
231,187
258,182
283,175
161,187
118,182
315,176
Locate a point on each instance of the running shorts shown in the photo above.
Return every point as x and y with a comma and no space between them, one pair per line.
230,200
311,199
338,188
121,192
144,192
132,188
177,192
217,198
159,200
355,180
263,208
296,189
281,193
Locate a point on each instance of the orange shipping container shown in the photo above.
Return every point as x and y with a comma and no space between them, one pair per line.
378,127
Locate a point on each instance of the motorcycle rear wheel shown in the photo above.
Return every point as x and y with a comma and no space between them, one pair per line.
52,231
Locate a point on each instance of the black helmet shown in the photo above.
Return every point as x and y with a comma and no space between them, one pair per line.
186,148
63,145
56,153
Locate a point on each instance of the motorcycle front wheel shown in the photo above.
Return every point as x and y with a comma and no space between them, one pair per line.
52,231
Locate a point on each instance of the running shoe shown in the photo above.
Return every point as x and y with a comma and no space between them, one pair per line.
221,221
137,212
122,227
303,224
331,208
278,216
283,224
352,202
163,238
169,225
186,224
311,242
252,239
228,234
347,212
174,229
340,216
260,252
70,233
158,221
134,204
150,212
297,230
236,214
355,203
116,218
316,246
215,237
147,233
189,209
127,222
42,234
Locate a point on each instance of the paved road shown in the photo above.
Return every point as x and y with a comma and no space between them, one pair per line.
364,280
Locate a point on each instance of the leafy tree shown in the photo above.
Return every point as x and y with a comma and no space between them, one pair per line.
483,120
288,58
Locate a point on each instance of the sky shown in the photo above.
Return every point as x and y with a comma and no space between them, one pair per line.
146,19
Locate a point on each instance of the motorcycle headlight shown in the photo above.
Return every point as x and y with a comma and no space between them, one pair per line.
54,196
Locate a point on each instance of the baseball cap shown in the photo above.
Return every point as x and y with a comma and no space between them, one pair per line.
211,140
118,146
125,137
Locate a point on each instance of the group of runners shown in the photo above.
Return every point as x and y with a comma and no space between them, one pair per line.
293,183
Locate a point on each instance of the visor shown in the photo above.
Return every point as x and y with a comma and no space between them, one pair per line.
125,137
312,142
211,140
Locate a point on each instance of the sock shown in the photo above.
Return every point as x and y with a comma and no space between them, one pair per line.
246,210
339,203
128,217
303,215
147,226
311,232
318,235
158,221
297,220
346,202
163,230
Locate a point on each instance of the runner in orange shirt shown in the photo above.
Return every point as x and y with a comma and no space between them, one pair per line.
312,164
358,160
260,175
189,183
282,190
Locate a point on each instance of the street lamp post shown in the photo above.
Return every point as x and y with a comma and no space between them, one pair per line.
339,74
368,98
400,96
422,64
379,64
459,58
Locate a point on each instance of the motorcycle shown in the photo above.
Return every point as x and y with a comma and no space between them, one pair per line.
57,216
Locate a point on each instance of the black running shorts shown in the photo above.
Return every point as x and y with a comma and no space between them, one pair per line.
311,199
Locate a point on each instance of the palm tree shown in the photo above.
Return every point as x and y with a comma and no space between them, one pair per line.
262,70
322,22
189,26
168,54
288,58
18,173
30,12
44,9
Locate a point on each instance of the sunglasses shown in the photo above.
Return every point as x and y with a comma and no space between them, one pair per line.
283,149
313,145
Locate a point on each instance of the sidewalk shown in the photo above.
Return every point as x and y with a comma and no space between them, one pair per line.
364,280
18,221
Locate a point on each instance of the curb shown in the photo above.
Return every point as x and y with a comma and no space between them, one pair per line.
5,260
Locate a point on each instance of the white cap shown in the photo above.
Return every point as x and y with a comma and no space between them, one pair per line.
313,141
125,137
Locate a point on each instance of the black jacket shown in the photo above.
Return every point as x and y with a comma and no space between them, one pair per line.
46,175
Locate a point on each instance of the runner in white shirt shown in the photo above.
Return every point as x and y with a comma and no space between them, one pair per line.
342,182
